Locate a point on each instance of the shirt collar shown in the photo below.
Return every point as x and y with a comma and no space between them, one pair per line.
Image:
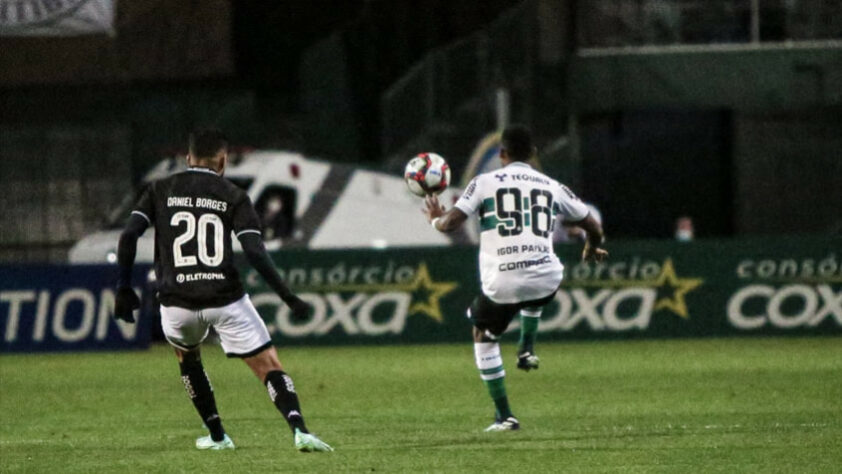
519,163
202,170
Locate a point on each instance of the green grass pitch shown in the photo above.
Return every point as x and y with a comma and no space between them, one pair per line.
718,405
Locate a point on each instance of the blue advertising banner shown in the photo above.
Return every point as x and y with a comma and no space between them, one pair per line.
65,308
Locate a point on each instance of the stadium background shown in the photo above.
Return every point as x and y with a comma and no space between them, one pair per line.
665,101
728,112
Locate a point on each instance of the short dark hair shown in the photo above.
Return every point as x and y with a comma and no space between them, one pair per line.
207,142
517,141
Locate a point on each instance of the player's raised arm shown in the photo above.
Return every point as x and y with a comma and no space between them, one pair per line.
439,218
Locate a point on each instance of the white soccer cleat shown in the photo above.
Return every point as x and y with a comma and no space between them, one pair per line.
206,442
527,361
309,443
509,424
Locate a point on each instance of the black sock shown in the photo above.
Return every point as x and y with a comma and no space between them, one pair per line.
201,394
282,393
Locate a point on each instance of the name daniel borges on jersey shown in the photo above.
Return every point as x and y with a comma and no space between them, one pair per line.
203,203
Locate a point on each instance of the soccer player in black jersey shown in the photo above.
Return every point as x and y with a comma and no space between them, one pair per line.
194,214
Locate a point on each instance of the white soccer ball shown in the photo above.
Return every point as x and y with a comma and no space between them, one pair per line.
427,173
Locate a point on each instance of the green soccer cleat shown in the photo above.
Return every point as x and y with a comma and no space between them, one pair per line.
527,361
509,424
309,443
206,442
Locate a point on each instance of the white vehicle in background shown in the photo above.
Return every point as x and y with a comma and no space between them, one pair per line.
301,203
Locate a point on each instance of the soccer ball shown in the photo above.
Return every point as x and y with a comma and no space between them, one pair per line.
427,173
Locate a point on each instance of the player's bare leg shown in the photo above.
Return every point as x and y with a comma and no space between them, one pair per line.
490,364
200,391
264,362
268,369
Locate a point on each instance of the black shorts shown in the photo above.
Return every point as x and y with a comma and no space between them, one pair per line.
495,317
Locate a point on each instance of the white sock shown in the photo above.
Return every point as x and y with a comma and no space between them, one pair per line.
489,361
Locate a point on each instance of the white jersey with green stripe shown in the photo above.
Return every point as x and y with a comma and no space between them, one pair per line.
517,208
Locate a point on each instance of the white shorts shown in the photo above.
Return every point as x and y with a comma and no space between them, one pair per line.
241,331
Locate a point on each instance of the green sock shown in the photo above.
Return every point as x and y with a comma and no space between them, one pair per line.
497,390
528,331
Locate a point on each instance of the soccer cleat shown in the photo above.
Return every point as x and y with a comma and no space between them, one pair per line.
206,442
308,443
527,361
509,424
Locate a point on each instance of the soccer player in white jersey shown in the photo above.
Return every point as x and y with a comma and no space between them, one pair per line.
516,206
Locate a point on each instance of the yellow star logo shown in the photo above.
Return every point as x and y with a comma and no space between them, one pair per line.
681,286
421,287
423,282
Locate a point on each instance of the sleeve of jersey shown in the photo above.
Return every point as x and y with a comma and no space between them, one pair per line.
469,202
245,219
572,208
145,206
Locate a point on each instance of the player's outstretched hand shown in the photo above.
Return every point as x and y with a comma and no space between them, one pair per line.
125,303
594,254
433,207
299,309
